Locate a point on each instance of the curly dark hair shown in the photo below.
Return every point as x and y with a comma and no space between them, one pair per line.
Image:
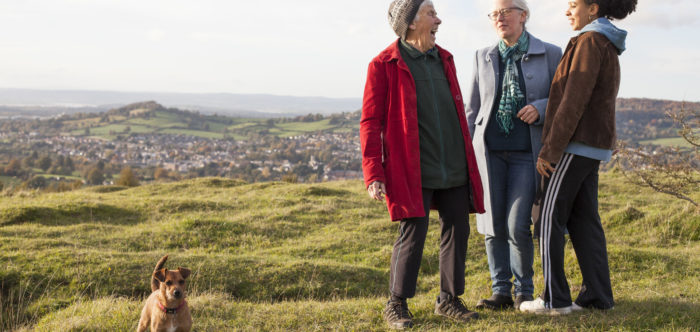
614,9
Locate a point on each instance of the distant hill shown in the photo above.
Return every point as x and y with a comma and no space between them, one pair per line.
638,120
151,117
29,102
641,119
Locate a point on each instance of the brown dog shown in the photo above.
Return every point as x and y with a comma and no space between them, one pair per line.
166,308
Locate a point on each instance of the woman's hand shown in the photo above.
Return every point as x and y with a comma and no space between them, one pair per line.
377,190
544,167
528,114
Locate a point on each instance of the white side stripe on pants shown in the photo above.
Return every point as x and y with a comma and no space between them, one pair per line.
546,220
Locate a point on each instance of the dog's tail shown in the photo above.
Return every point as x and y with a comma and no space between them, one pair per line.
155,284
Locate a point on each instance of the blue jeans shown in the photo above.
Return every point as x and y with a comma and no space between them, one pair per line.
510,250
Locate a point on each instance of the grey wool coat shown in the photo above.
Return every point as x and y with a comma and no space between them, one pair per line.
538,67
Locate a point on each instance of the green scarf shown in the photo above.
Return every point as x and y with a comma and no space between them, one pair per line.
512,98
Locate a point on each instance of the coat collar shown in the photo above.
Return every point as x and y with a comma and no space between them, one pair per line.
536,47
392,53
414,53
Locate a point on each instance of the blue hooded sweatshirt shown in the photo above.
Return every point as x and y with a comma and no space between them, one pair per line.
614,34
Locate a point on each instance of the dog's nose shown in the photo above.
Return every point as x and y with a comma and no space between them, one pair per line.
177,293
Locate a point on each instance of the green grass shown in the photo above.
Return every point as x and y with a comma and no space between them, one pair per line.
169,123
9,180
306,126
674,141
191,132
161,120
104,131
300,128
216,126
84,122
67,177
155,123
279,256
243,125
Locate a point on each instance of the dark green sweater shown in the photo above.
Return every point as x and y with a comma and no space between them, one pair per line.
443,162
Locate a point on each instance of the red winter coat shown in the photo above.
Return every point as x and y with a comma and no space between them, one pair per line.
389,134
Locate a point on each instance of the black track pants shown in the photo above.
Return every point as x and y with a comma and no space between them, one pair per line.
568,199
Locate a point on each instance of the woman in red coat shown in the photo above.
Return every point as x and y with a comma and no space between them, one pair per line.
417,151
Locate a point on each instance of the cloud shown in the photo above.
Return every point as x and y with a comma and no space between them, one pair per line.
665,20
667,14
316,47
155,34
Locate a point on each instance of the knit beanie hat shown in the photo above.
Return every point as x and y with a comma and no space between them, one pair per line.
401,15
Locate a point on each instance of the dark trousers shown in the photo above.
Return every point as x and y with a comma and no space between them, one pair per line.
568,199
453,206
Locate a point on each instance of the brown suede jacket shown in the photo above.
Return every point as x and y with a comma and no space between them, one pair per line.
581,105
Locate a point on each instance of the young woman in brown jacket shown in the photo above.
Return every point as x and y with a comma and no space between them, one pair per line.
579,133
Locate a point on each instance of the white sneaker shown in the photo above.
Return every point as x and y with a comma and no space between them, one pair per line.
560,311
576,307
537,307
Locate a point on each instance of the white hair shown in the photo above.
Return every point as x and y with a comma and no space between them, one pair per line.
425,3
522,4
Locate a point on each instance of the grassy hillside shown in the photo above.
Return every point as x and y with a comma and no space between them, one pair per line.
279,256
152,118
164,122
671,141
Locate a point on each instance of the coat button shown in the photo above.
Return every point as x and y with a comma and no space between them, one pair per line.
526,58
529,76
458,97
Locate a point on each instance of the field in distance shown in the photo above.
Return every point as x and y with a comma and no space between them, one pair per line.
153,118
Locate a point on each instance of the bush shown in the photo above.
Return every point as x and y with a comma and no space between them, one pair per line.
95,176
44,163
62,186
13,168
127,178
37,182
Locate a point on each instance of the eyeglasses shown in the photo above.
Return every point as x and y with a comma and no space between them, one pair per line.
505,12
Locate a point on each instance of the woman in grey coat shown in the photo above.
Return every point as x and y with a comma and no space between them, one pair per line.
505,114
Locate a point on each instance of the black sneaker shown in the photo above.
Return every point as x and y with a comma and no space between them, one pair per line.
454,308
495,302
397,315
520,299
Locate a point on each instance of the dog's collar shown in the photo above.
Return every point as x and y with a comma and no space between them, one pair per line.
171,310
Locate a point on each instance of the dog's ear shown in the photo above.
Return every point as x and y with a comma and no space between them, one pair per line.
184,272
160,274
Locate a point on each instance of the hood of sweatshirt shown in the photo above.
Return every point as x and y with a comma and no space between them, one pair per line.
614,34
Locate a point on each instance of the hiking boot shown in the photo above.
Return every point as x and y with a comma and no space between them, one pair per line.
397,315
519,299
537,306
454,308
495,302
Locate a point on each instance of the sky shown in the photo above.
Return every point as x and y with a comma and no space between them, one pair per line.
296,48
